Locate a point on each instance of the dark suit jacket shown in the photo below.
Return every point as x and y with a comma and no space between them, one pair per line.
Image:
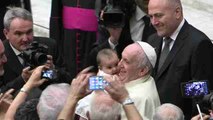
191,58
3,9
148,30
103,34
13,68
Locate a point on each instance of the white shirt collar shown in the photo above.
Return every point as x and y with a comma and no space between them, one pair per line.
175,34
139,14
112,46
17,52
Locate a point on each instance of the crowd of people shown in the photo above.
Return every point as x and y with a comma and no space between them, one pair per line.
144,53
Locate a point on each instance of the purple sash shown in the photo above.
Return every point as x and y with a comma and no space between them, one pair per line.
79,18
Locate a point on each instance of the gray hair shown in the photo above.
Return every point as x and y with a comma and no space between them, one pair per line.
101,111
52,101
143,60
168,111
16,12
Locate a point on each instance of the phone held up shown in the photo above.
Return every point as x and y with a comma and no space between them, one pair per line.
195,89
49,74
97,83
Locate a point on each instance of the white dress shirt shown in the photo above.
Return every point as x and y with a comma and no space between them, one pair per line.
137,24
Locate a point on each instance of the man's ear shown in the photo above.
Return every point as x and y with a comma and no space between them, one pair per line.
143,71
178,12
5,33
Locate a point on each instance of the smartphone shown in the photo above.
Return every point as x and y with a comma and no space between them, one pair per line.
195,89
97,83
48,74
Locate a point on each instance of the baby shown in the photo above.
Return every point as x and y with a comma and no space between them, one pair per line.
107,60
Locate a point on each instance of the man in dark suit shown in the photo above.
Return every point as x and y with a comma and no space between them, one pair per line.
117,38
112,43
4,7
19,34
137,23
140,25
188,55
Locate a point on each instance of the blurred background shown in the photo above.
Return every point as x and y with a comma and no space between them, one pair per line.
199,13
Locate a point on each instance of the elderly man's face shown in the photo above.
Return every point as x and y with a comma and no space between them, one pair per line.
129,69
164,17
20,33
3,58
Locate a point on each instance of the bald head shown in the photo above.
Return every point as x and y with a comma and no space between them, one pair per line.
103,107
165,16
168,111
171,2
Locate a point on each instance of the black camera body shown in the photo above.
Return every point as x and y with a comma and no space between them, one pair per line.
118,12
35,54
113,16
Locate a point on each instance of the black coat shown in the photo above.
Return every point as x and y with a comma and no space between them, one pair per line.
189,59
13,68
3,8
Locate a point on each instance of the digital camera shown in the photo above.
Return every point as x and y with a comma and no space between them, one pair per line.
35,55
113,17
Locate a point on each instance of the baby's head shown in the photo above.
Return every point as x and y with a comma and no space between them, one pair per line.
107,60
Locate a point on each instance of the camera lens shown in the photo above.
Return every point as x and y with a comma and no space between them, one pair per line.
40,58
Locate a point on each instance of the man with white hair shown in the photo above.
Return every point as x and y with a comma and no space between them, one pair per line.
103,107
52,101
168,111
138,60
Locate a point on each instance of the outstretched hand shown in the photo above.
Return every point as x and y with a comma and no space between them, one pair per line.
197,117
35,78
6,99
79,85
26,73
7,96
116,89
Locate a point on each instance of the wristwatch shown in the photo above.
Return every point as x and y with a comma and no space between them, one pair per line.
127,101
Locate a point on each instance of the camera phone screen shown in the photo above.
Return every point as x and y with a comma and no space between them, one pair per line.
196,89
48,74
97,83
